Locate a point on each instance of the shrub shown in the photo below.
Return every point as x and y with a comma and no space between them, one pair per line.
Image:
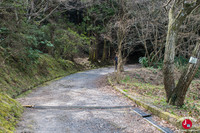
143,61
181,62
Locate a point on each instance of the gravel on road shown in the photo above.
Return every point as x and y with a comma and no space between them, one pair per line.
80,89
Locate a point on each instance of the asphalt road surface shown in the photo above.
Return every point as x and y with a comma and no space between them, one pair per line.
74,104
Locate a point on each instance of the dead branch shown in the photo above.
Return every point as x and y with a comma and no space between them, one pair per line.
48,14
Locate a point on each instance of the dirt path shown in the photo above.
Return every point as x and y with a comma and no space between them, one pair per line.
80,89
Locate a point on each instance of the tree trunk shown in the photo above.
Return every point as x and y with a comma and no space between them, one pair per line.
168,68
109,52
120,60
31,10
104,56
186,78
175,96
93,52
96,52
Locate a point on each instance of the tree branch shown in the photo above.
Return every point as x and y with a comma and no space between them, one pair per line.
49,14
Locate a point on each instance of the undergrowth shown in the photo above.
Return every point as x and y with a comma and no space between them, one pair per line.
147,84
15,79
10,112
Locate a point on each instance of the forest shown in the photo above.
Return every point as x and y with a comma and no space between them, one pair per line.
41,40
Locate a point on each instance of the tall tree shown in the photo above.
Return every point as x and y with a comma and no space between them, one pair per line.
178,12
122,22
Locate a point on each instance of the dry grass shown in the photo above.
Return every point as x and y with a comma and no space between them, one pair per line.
148,83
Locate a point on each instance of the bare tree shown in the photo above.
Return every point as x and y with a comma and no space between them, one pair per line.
178,12
45,8
150,29
120,28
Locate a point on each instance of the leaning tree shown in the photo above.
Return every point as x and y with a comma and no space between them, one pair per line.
179,11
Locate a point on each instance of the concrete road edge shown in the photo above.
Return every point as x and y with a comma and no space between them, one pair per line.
173,119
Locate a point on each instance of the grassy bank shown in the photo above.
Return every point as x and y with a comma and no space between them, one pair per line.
10,111
16,79
147,85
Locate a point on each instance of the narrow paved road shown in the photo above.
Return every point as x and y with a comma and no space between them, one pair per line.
80,89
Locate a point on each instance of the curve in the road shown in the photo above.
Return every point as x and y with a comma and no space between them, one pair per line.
75,90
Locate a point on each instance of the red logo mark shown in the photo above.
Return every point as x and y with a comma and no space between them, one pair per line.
187,124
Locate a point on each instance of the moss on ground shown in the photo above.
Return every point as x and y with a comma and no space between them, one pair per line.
10,111
14,80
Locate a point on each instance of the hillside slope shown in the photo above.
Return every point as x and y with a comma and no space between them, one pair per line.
10,111
15,81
